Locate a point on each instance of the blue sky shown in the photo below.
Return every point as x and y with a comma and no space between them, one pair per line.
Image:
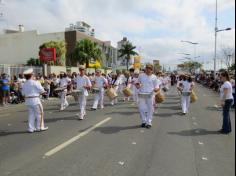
154,26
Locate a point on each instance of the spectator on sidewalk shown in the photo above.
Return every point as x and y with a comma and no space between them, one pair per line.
232,81
1,91
226,97
5,89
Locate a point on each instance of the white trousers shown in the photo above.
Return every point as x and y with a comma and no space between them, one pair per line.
146,110
64,101
99,97
82,105
35,117
185,103
135,94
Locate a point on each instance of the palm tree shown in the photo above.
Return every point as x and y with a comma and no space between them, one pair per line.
86,50
127,50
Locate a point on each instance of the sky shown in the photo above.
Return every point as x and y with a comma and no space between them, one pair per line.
155,27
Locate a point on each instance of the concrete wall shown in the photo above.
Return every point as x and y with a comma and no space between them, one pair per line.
17,48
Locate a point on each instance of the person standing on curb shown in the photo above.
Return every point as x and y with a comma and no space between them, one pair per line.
226,97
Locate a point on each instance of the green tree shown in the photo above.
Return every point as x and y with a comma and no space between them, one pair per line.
127,50
86,51
60,51
34,62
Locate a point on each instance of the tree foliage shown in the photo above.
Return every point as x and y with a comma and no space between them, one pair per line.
87,51
60,51
127,50
34,62
190,65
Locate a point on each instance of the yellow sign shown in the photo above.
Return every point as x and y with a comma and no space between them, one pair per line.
137,62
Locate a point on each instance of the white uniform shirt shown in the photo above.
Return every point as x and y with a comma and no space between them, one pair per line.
64,82
82,81
186,86
100,81
226,85
232,81
32,88
148,83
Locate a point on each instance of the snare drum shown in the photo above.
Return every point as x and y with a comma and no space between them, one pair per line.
127,92
145,95
59,89
96,90
76,94
111,93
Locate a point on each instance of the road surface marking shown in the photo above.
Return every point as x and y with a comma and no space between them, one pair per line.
142,131
121,163
75,138
9,124
204,158
134,143
195,123
200,143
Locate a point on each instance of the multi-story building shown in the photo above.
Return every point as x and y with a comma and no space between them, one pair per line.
83,27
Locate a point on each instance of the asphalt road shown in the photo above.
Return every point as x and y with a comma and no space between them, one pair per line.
110,142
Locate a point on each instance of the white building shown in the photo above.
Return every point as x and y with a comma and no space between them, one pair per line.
83,27
16,47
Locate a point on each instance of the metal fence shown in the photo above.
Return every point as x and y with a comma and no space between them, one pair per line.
16,70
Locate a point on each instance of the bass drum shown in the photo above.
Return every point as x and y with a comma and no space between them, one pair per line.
111,93
127,92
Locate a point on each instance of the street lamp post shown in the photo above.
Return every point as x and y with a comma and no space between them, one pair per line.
216,31
192,43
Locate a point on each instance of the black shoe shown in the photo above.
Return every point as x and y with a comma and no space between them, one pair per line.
93,109
224,132
148,126
143,125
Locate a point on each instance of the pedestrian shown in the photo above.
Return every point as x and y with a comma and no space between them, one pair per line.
226,97
147,85
5,89
32,90
84,84
232,81
187,87
99,83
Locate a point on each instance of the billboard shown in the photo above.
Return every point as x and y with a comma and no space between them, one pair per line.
47,54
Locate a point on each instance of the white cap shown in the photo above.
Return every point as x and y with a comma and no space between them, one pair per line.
28,71
81,67
136,71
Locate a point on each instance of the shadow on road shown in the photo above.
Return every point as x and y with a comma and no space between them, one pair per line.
171,107
6,133
123,113
115,129
194,132
213,108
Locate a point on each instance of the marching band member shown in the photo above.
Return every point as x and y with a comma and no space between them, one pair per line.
148,84
32,90
134,89
84,84
100,83
64,82
115,83
187,87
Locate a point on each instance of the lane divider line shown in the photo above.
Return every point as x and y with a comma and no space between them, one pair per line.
75,138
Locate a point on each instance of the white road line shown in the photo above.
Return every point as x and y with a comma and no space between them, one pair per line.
204,158
75,138
200,143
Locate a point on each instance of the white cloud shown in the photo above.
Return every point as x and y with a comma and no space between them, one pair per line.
141,20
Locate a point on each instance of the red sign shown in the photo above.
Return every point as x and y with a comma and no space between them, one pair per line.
47,54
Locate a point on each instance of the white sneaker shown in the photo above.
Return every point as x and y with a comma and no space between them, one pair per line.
102,107
44,129
62,109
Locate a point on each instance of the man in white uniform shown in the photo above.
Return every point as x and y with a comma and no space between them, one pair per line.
100,83
84,84
64,82
32,90
148,84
